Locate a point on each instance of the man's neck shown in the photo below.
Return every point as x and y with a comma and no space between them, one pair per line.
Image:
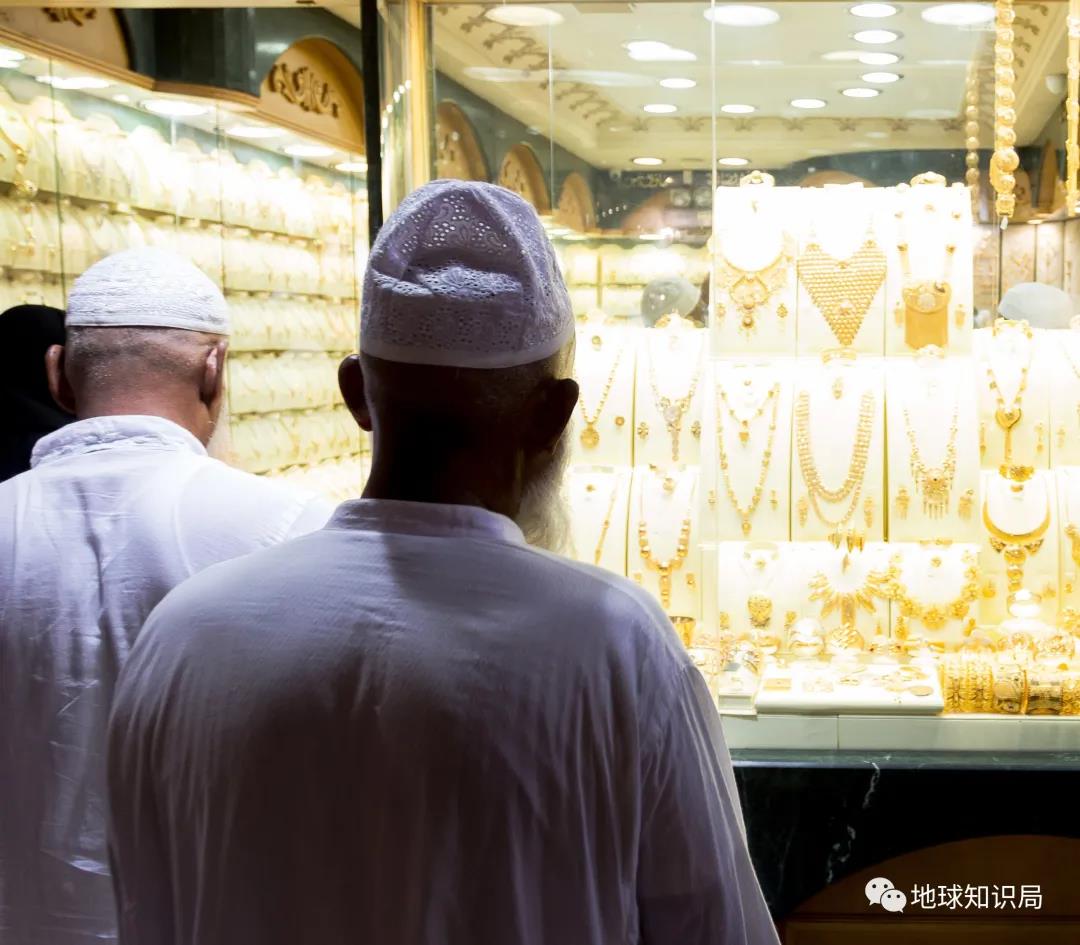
450,482
90,407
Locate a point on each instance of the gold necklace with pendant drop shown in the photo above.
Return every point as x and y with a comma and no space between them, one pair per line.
590,436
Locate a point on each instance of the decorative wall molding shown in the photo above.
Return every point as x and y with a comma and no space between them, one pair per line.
305,88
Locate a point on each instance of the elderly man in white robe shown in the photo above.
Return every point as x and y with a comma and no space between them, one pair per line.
415,726
117,509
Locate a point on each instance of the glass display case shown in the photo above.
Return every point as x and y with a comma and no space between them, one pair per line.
803,425
97,161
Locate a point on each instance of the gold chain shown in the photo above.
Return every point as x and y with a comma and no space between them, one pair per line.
853,482
590,436
667,566
599,553
934,482
750,289
933,616
746,513
1008,417
672,409
843,289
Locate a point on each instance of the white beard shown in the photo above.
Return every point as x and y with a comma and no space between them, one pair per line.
220,445
544,516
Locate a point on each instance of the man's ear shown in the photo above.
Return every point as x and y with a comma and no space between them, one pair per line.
212,388
555,403
353,389
58,383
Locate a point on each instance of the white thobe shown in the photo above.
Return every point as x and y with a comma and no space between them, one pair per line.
115,512
412,728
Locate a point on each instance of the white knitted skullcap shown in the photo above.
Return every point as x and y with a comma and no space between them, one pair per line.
149,288
463,275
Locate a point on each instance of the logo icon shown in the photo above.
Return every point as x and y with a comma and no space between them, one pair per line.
881,892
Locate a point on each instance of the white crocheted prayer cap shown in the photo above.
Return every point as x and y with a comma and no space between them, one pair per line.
463,275
148,288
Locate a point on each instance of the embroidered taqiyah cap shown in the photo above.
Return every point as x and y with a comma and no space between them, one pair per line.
463,275
148,288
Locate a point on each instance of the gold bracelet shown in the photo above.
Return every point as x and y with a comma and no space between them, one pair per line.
976,689
1058,646
1016,647
1070,693
952,677
1044,693
1010,689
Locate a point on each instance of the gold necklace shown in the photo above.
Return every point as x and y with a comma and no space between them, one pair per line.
590,436
843,289
934,482
925,309
1076,373
672,409
853,482
847,602
599,552
932,616
746,513
667,566
1016,547
1008,417
750,289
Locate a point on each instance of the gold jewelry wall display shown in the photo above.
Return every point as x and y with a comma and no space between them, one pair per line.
1072,108
673,409
1005,160
1016,547
590,436
1008,416
850,489
934,482
665,566
751,289
723,407
932,616
843,289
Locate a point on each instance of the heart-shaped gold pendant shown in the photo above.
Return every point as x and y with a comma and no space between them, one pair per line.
1007,419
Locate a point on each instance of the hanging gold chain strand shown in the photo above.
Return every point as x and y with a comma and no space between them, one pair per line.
746,513
1005,160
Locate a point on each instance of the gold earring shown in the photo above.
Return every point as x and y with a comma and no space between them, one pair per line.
989,589
620,421
774,500
838,388
903,501
695,428
637,576
789,619
961,316
643,430
712,498
781,311
967,503
691,581
597,342
868,511
982,438
804,510
723,621
1040,432
898,315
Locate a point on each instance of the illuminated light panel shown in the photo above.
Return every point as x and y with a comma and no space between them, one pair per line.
862,93
878,58
737,109
874,11
676,83
808,103
876,37
660,108
737,14
959,14
648,161
881,78
733,161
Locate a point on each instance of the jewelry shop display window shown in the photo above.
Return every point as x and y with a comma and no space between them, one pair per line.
827,417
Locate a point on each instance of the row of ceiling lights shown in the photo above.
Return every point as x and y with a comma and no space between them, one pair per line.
739,15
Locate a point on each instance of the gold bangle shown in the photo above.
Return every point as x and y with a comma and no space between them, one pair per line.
1058,645
1009,689
976,688
1044,693
1070,693
952,676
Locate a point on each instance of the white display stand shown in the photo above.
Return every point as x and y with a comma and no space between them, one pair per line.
754,286
746,413
942,582
600,503
604,367
1019,511
925,396
929,219
819,688
663,499
1003,353
670,372
833,425
1059,355
1068,489
843,221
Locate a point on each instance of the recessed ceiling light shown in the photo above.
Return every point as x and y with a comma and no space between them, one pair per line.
122,99
807,103
308,150
677,83
959,14
736,109
660,109
73,83
862,93
877,135
733,161
648,161
255,132
648,50
874,11
10,63
878,58
174,108
11,55
516,15
738,14
881,78
351,167
842,55
876,37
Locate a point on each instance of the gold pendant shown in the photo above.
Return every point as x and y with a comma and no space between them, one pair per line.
926,314
1007,419
935,492
903,500
760,609
967,504
590,437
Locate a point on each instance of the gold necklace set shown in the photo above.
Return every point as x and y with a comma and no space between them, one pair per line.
843,289
751,289
590,436
851,488
847,603
672,409
723,407
1008,416
665,566
932,616
1016,547
924,310
934,482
